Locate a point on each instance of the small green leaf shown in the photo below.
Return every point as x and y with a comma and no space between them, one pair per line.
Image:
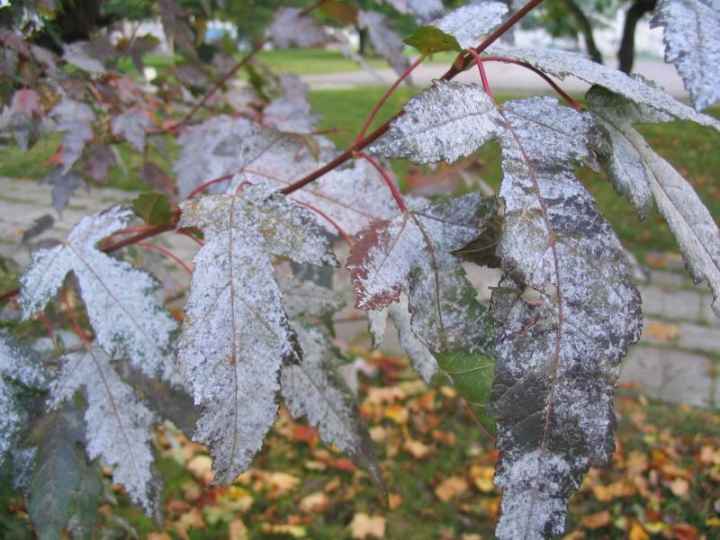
429,40
472,376
154,208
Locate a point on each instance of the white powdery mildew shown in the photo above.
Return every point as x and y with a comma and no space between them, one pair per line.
424,10
385,254
469,23
645,175
236,334
291,113
310,389
422,359
386,42
692,44
290,27
132,125
566,312
563,64
219,146
122,302
119,426
306,299
75,120
447,121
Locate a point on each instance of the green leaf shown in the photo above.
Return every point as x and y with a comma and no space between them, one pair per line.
65,489
153,207
472,376
429,40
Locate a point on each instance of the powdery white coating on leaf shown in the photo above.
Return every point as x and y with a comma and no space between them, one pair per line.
80,54
424,10
236,334
469,23
635,166
692,44
75,120
291,112
119,426
307,299
565,313
132,125
351,196
447,121
122,303
377,321
219,146
312,389
384,40
383,256
290,27
64,184
20,365
563,63
422,359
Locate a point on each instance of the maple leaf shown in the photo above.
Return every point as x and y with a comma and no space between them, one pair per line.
382,258
692,44
469,23
291,27
236,334
75,120
566,311
304,299
447,121
22,117
641,174
311,388
64,184
18,366
385,42
291,112
118,425
176,26
634,88
80,54
100,158
121,301
132,125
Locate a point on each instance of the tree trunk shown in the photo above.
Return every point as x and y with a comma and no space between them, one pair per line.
362,41
586,29
626,53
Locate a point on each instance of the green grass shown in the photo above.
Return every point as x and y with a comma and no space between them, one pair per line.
312,61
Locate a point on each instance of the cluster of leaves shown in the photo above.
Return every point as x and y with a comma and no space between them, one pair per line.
539,364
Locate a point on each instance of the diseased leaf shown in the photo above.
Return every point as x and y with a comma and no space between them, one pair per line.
430,40
121,301
565,313
80,54
447,121
22,117
563,63
64,184
18,365
153,208
75,120
384,40
644,176
424,10
65,490
311,388
118,426
469,23
290,27
176,25
291,112
422,359
692,44
383,257
100,158
304,299
236,334
132,125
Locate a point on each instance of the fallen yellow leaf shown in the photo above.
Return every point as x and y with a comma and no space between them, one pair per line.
394,501
315,503
159,536
660,331
638,533
397,413
201,468
679,487
597,520
451,487
294,531
416,449
237,530
365,526
482,477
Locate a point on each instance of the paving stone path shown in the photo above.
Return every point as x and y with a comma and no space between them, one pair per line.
677,360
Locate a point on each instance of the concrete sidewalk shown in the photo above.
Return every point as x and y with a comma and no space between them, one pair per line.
503,77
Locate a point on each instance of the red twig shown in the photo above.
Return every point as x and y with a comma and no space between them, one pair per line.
388,181
202,187
345,236
376,109
483,74
572,102
167,253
